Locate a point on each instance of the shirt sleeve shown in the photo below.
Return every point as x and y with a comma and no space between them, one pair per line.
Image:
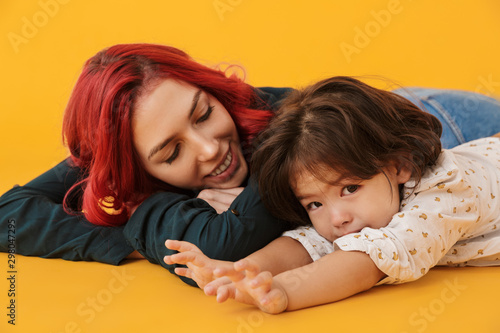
311,240
44,229
430,222
243,229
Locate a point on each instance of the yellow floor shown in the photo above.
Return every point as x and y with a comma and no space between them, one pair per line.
57,296
279,43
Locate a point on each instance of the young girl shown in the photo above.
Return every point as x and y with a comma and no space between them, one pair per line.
365,167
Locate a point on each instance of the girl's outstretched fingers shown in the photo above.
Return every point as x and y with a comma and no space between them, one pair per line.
181,246
212,287
182,271
226,292
251,286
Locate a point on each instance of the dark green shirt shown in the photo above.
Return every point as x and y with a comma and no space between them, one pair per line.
44,229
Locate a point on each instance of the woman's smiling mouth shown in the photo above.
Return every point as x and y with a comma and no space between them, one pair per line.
223,166
225,171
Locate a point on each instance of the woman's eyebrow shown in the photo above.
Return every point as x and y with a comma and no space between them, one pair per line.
194,103
165,142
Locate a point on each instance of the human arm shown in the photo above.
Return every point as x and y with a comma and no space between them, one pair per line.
44,229
243,229
271,258
335,276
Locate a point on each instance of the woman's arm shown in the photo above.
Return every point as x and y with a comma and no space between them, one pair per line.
44,229
244,228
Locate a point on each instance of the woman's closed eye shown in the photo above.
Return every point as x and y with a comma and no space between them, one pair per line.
350,189
177,148
174,154
206,115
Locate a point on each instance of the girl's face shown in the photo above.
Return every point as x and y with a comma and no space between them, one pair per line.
350,205
187,139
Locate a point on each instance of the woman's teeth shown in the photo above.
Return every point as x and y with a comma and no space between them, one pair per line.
223,166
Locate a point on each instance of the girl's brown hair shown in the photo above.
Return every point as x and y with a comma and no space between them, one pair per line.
342,124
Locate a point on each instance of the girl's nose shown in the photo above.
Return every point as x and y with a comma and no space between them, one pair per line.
340,217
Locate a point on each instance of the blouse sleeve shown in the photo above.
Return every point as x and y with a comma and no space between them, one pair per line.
42,227
441,212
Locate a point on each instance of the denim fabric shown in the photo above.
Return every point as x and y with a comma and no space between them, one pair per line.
465,115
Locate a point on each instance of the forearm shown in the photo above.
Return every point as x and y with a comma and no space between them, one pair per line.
282,254
334,277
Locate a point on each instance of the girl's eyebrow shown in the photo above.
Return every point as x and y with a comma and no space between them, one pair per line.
165,142
302,197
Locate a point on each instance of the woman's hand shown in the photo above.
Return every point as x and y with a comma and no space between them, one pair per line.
220,199
249,285
200,268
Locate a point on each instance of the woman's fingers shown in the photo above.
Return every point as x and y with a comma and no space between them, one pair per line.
219,207
222,195
220,199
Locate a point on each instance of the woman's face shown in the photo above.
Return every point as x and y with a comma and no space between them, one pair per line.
187,139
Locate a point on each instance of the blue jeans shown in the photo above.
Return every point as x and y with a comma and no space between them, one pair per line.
465,115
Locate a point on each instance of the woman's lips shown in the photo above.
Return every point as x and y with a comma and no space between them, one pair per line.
227,168
224,165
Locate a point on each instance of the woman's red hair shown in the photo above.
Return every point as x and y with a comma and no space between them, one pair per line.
97,122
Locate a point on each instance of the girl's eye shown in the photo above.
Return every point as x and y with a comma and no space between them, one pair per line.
173,156
350,189
314,205
206,115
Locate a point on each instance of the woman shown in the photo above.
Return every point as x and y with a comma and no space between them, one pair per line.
159,149
134,117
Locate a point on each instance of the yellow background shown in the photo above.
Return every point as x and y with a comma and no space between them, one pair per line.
43,45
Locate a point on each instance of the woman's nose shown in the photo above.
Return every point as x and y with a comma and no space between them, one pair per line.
206,146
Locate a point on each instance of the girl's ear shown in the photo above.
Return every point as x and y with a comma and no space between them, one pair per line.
403,173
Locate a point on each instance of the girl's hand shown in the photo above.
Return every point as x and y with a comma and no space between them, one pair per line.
250,286
220,199
199,267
